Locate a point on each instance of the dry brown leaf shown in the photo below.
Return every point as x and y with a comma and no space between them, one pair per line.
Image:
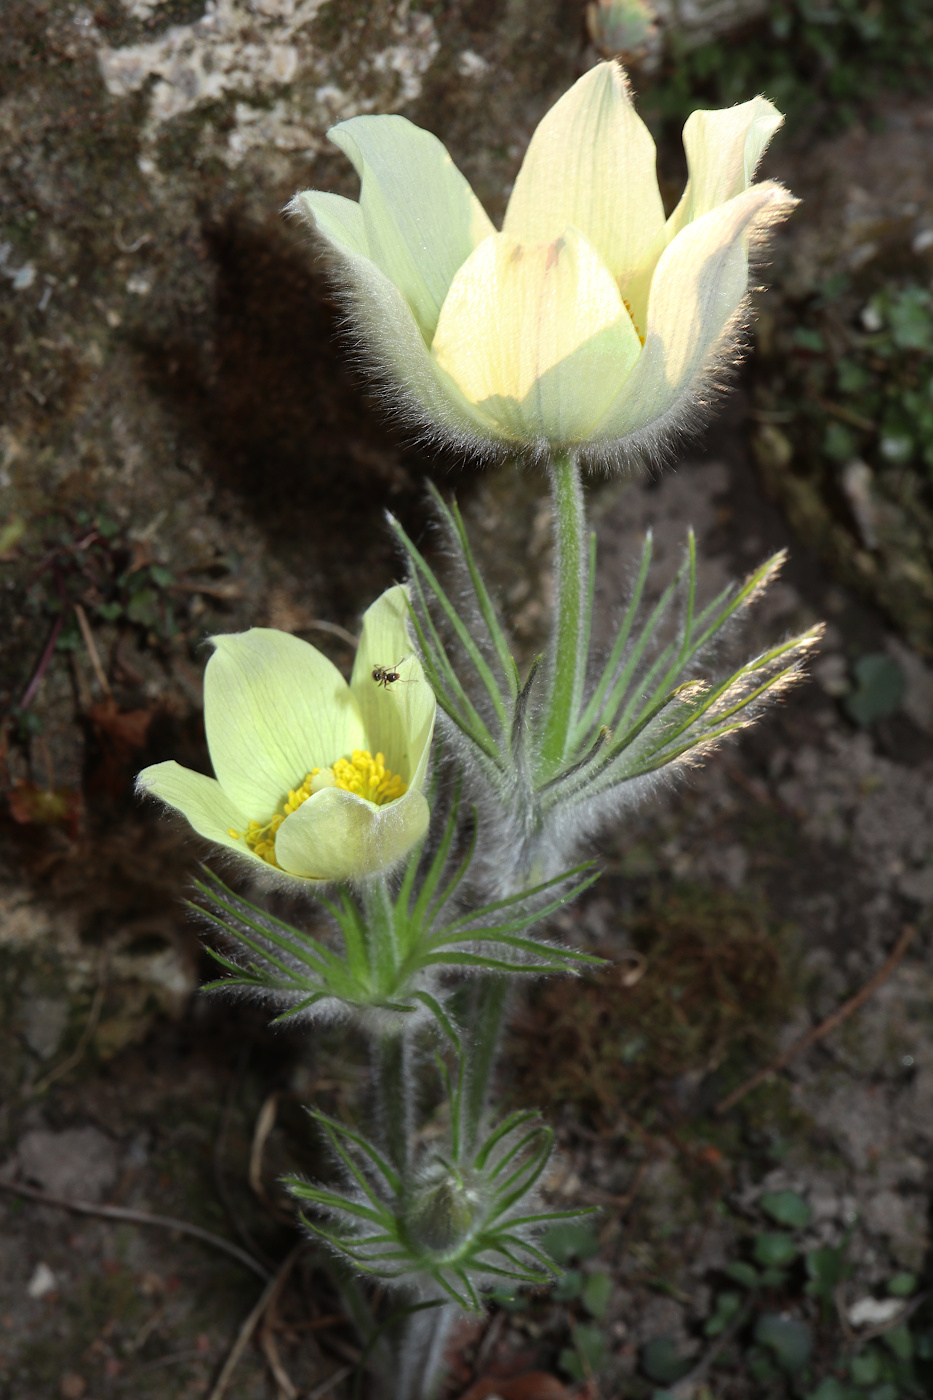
534,1385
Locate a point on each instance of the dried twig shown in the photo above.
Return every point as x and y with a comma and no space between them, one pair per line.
91,647
817,1033
287,1390
269,1293
38,675
265,1122
321,1391
136,1217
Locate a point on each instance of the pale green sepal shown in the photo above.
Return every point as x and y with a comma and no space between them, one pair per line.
422,219
398,718
339,220
592,163
698,288
200,800
397,347
274,708
723,150
337,835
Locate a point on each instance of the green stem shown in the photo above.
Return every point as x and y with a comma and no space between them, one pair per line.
380,934
390,1049
568,645
490,996
421,1353
392,1093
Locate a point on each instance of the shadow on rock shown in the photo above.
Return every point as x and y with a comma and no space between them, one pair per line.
281,422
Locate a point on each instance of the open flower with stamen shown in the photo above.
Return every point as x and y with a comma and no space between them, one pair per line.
590,320
315,779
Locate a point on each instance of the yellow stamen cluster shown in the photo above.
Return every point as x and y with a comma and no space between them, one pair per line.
368,777
362,773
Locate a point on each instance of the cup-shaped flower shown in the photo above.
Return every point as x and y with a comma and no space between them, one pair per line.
315,778
590,321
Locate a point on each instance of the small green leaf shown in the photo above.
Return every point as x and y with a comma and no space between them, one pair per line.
900,1341
902,1285
727,1305
661,1361
143,607
773,1249
879,688
569,1363
788,1339
569,1287
830,1389
745,1274
591,1346
597,1291
827,1268
761,1366
568,1241
786,1208
839,442
866,1368
807,339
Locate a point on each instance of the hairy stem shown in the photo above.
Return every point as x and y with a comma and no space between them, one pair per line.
421,1353
490,996
568,644
381,941
392,1095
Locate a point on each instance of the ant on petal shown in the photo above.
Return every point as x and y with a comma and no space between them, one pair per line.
387,675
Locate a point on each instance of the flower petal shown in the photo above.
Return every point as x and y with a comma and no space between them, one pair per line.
592,163
399,718
274,708
723,150
339,220
422,220
201,800
536,335
698,288
336,835
396,345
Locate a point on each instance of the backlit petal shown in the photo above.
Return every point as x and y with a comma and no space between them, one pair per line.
274,708
398,718
339,220
201,800
387,323
336,835
421,218
699,285
536,335
723,150
591,163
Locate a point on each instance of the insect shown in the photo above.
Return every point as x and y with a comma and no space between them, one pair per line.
387,675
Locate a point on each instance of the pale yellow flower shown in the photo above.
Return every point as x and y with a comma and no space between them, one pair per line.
314,778
590,320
